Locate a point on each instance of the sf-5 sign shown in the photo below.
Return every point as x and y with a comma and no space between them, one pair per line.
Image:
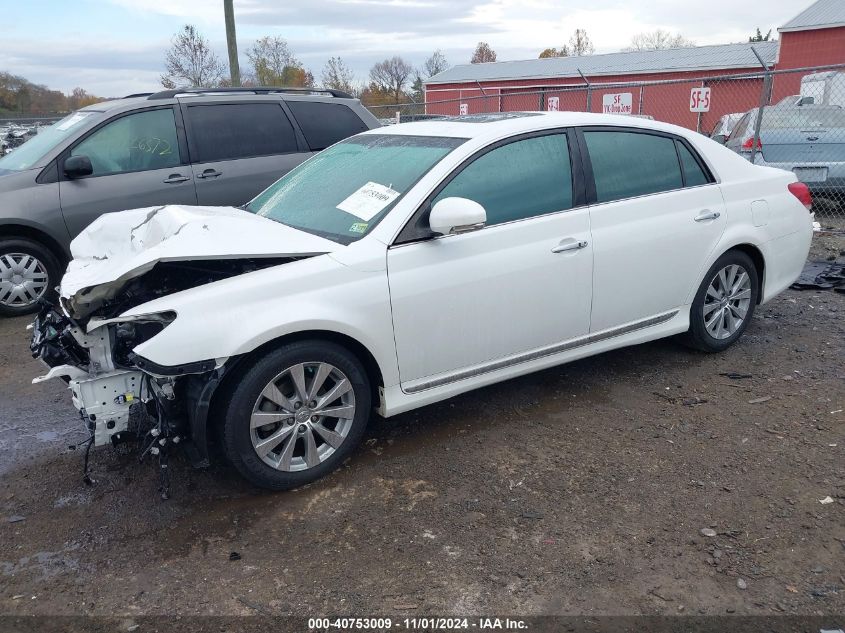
699,100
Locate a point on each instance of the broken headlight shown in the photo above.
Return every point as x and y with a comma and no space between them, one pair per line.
130,332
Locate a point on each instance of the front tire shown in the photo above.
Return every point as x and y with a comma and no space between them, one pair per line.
296,414
28,272
724,303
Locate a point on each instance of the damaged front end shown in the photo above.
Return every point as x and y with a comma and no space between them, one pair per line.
121,396
122,262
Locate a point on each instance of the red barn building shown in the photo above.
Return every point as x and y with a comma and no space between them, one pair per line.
815,37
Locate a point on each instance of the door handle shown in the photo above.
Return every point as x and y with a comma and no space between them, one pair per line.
210,173
570,246
175,178
707,215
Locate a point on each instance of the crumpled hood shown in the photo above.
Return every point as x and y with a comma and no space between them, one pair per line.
120,246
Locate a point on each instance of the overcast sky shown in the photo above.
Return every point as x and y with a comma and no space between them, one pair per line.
115,47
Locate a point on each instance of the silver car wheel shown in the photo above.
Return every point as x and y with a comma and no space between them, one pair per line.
727,301
23,280
302,416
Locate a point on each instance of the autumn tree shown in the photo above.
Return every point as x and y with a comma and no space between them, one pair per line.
580,44
273,64
390,77
338,76
483,54
658,40
190,62
79,98
563,51
759,37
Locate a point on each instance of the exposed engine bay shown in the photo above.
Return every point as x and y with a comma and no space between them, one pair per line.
122,397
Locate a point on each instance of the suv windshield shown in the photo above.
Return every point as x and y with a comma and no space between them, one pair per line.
28,154
344,191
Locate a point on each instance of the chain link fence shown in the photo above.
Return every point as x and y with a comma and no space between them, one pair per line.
790,119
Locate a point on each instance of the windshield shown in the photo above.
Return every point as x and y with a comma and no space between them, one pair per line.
344,191
28,154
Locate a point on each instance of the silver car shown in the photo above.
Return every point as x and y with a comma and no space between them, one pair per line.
217,147
808,140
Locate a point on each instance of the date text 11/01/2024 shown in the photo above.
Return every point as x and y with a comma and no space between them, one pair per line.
416,624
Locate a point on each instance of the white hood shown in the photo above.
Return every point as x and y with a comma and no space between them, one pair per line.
119,246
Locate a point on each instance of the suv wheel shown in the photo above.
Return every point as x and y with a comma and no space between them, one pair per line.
296,414
28,272
724,303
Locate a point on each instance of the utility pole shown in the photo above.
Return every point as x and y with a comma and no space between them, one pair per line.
232,43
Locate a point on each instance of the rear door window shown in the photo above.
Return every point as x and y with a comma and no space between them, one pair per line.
630,164
136,142
325,124
228,131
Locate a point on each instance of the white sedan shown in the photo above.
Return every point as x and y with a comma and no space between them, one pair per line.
407,265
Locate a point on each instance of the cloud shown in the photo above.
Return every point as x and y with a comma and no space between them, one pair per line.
120,47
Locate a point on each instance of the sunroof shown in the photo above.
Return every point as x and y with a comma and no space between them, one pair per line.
494,116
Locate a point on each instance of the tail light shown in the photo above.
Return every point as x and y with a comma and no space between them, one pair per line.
749,143
802,192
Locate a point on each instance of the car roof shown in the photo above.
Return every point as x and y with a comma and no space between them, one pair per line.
496,125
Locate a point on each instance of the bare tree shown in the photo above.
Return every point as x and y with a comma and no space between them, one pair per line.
273,64
563,51
580,44
435,64
391,76
338,76
483,54
657,40
190,62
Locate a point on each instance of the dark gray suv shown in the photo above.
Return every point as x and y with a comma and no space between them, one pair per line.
216,147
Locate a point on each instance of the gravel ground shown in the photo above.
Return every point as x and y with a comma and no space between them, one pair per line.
642,481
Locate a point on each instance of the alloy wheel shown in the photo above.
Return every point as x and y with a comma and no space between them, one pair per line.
727,301
302,416
23,279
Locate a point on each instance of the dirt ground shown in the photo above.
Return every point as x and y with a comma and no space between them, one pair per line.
583,489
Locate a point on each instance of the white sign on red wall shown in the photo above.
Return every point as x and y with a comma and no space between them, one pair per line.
464,109
699,100
553,104
617,103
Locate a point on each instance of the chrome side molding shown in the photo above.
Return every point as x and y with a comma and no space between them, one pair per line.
421,385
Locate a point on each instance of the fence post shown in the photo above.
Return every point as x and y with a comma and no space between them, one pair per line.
589,91
765,95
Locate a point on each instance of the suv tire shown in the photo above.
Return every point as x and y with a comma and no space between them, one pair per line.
28,272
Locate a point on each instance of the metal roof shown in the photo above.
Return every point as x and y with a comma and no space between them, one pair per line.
819,15
636,62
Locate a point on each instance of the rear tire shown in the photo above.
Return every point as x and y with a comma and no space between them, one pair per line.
28,272
724,303
296,414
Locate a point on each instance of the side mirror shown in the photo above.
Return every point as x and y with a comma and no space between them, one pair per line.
720,138
456,215
78,166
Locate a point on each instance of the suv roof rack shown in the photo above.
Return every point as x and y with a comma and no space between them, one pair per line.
137,94
263,90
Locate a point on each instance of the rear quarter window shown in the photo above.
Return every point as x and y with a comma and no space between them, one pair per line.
325,124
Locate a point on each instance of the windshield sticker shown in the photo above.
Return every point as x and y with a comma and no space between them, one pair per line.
73,120
368,201
359,227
